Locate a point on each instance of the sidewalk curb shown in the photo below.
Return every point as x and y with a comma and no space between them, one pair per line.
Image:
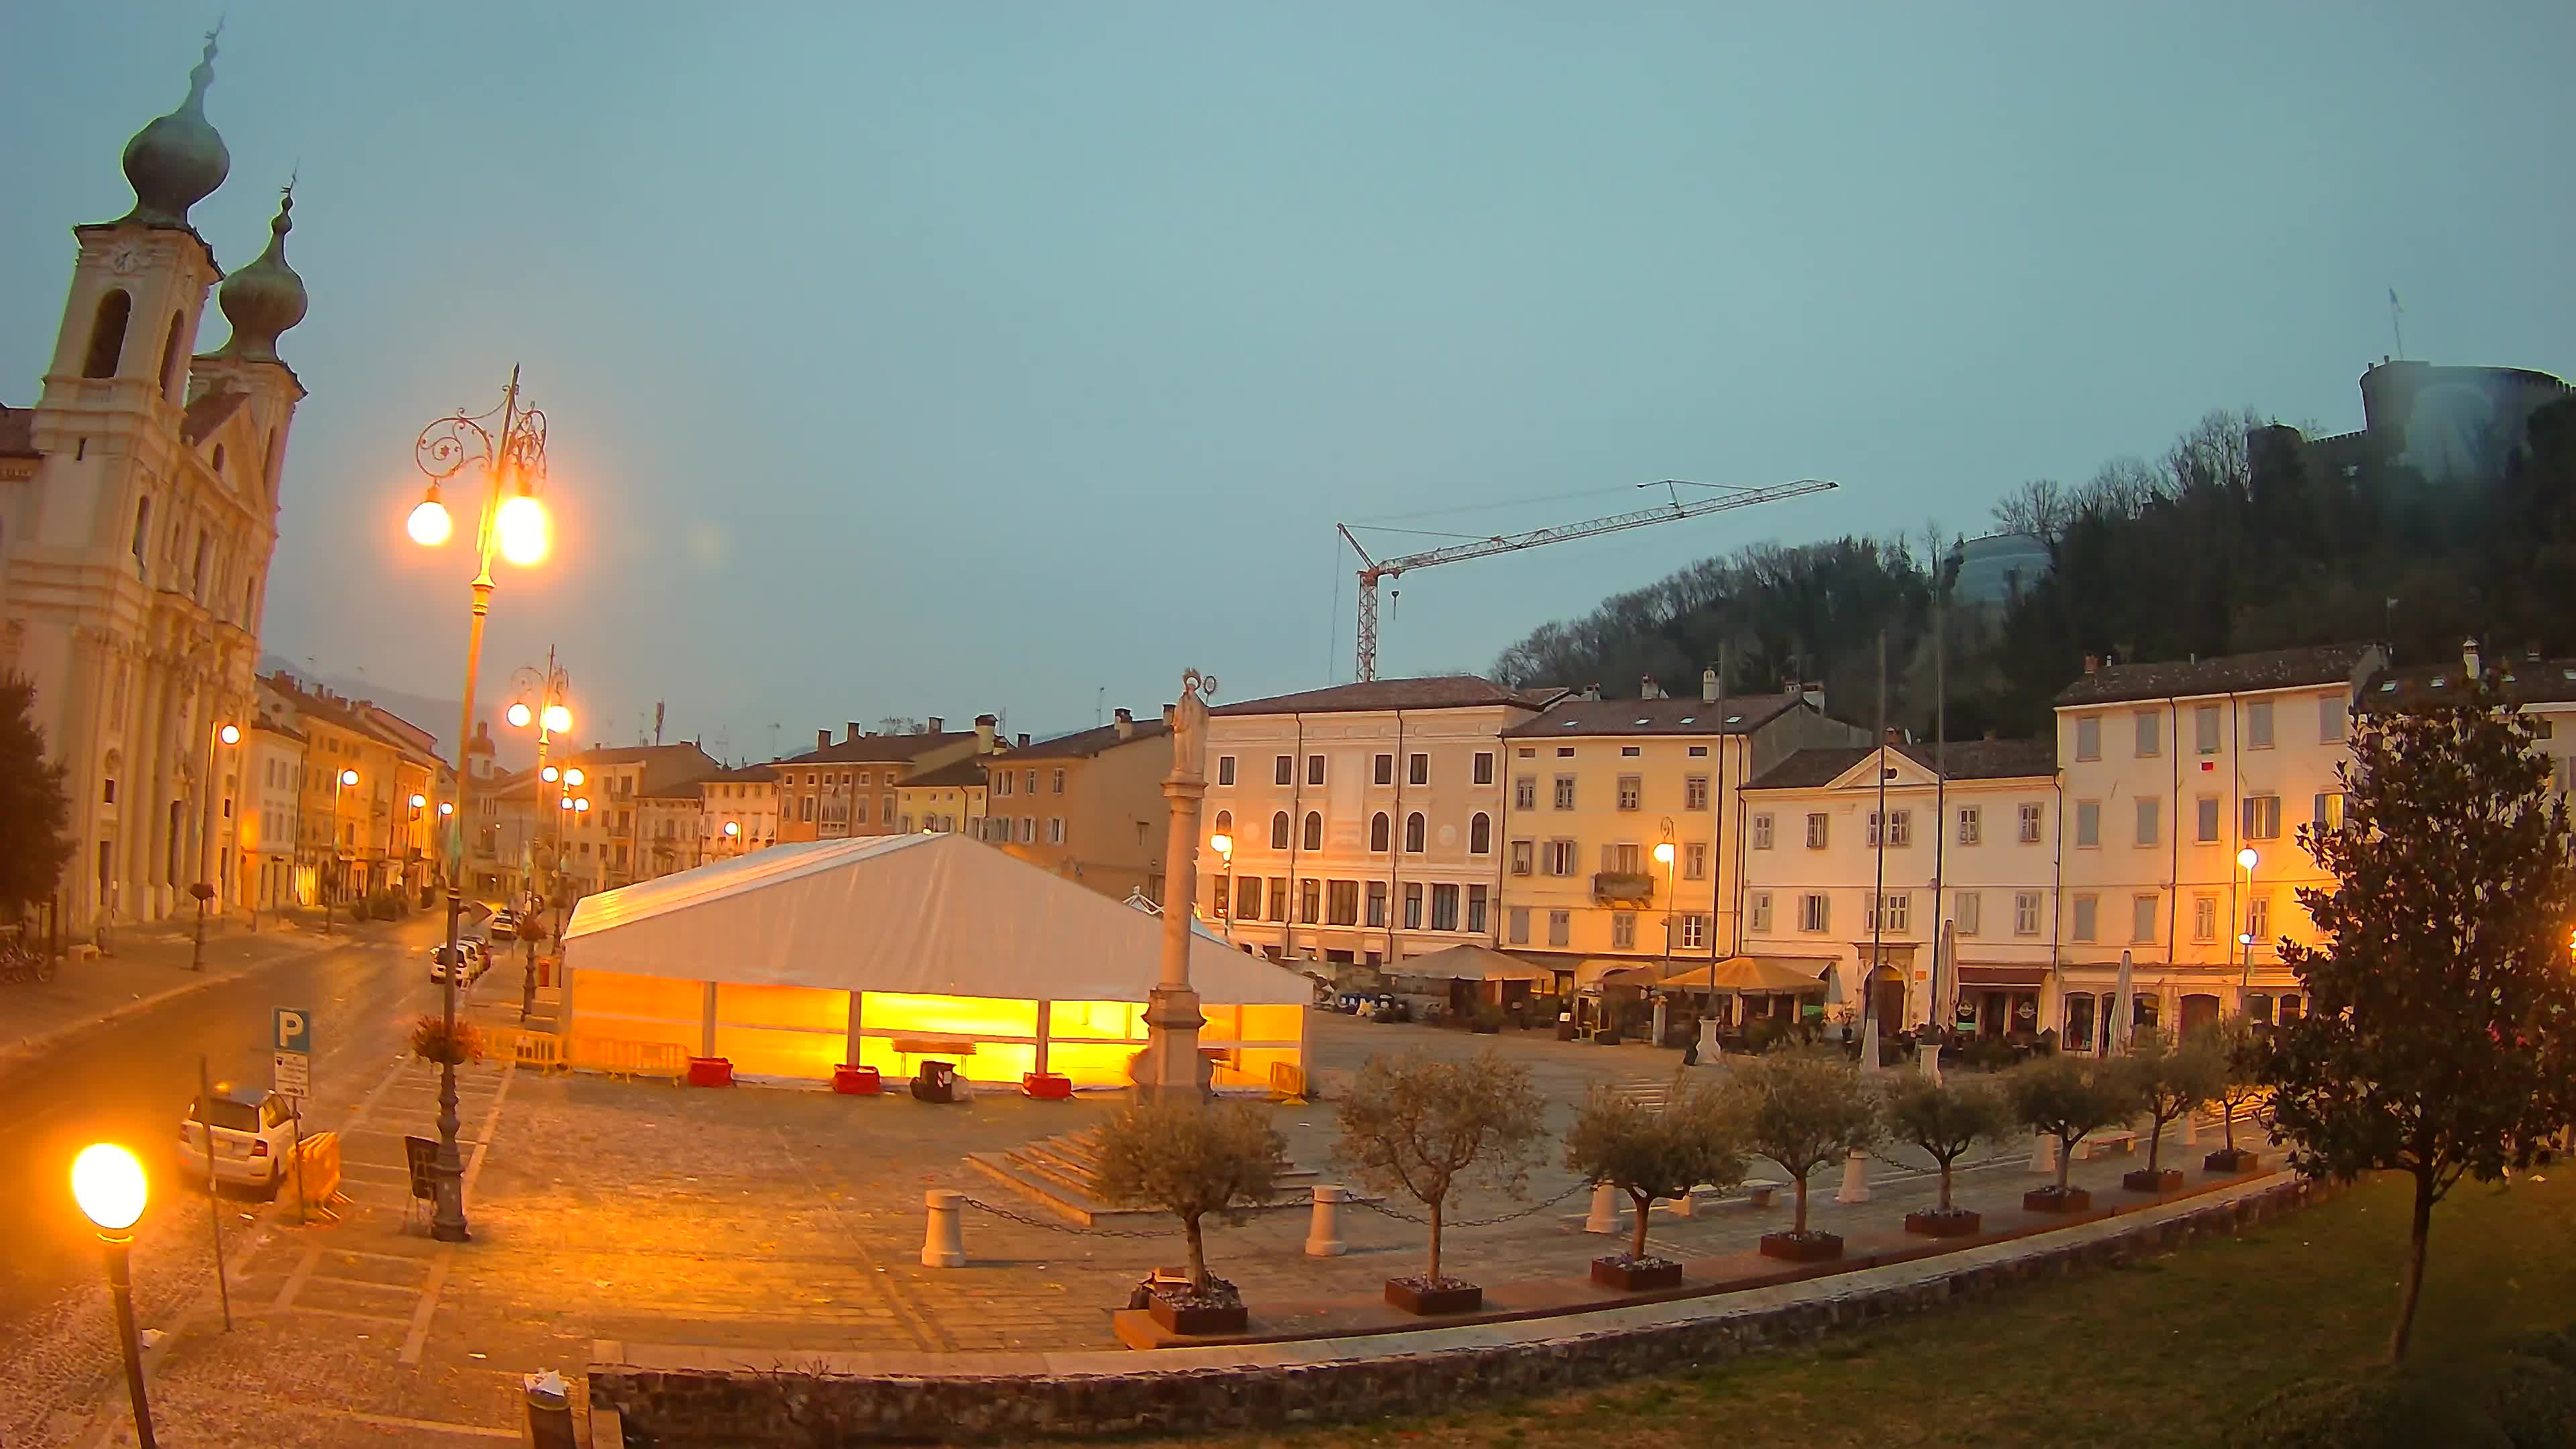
16,1054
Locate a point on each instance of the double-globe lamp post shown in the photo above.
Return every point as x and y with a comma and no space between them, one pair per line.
108,1184
1223,845
550,717
512,454
228,736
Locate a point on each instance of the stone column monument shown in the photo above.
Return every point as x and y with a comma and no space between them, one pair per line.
1170,1066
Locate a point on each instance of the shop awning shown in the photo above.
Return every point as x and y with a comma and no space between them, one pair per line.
1471,963
1600,971
2019,978
1747,975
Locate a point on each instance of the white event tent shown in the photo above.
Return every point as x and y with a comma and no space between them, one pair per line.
886,951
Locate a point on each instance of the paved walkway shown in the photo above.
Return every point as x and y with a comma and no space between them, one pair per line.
147,964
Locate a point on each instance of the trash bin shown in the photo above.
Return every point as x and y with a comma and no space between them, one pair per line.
549,1411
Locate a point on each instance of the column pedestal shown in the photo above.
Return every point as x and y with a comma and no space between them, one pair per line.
1171,1067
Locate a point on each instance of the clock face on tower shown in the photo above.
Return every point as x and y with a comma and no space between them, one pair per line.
125,259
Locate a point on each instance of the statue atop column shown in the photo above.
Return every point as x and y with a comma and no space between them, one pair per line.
1170,1065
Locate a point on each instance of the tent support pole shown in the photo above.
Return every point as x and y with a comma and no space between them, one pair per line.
856,1018
1045,1010
707,1019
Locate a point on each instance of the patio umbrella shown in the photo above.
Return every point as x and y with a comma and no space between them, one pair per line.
2122,1012
1945,976
1869,1041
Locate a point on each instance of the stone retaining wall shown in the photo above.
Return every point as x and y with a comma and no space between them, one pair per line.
679,1398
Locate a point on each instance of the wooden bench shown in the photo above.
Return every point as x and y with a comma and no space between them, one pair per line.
1758,1190
2105,1144
924,1046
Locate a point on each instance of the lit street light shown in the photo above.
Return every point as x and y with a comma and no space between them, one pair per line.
1223,844
108,1184
2246,859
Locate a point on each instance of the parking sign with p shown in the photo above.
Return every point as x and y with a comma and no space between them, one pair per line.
294,1031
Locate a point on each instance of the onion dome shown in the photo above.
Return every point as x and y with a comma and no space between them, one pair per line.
178,160
265,298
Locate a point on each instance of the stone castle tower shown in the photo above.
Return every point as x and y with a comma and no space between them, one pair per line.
138,516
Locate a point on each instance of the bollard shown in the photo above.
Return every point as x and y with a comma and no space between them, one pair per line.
941,1244
1855,1178
1605,1210
1687,1205
2191,1128
2043,1153
1931,1055
549,1411
1324,1229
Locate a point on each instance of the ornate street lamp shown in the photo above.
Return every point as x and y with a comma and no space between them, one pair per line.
108,1184
540,703
1223,845
509,445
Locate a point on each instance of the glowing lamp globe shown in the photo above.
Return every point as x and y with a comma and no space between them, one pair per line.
558,719
348,777
551,774
2246,857
582,805
1221,843
108,1184
573,776
446,807
229,734
429,524
418,801
519,715
564,804
733,828
521,527
1664,853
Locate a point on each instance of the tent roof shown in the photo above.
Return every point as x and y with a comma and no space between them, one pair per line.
1744,974
937,914
1470,963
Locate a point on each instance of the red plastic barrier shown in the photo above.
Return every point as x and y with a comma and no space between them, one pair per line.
852,1081
1046,1086
710,1071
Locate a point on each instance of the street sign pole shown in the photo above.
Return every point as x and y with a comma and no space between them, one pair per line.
290,1065
214,1204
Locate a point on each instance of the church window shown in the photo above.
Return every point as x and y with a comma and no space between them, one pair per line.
142,527
197,573
219,460
107,334
173,379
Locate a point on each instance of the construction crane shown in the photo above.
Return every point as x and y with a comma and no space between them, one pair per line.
1372,570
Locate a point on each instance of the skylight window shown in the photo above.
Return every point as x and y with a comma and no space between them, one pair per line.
2389,688
1735,719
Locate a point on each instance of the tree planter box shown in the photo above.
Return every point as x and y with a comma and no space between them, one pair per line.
1808,1247
1487,1028
1222,1313
1046,1086
710,1071
1607,1038
2163,1179
852,1081
1636,1275
1448,1295
1934,1223
2231,1161
2050,1200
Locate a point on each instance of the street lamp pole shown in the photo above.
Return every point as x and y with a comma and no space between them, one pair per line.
2245,938
513,463
108,1184
1223,845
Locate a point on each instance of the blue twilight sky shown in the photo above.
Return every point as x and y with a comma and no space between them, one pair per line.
930,359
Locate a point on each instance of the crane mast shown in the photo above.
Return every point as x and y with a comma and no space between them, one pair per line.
1372,570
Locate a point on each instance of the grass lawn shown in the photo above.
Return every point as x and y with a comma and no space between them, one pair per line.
2166,1351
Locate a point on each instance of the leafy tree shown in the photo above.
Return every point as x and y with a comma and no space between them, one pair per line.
1947,1117
37,840
1802,1110
2441,1001
2240,1046
2172,1079
1191,1159
1422,1125
2069,1099
1648,1153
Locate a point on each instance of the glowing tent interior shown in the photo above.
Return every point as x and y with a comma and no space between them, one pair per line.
886,951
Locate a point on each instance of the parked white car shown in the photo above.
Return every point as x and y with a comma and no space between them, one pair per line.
253,1131
470,951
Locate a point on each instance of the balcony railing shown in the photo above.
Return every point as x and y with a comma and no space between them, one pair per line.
1623,887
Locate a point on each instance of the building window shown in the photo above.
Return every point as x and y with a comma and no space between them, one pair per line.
2329,811
1694,933
1565,792
2258,919
2204,823
2332,717
1560,857
1476,897
1629,752
1283,770
1413,905
1059,782
1815,913
1623,930
1413,832
1818,830
143,530
2258,725
1631,791
1377,903
2086,909
2025,913
1314,769
1967,911
805,808
1417,770
1624,858
1444,908
2262,817
1314,830
1560,927
1247,898
1279,831
1055,830
1970,829
1900,828
2204,918
2150,819
1480,834
2088,823
2204,729
1378,829
1225,769
1893,911
1028,830
1001,783
1695,792
2088,737
1342,906
1516,925
2030,817
2142,918
1695,860
1525,792
1484,767
1224,823
1029,782
1279,898
1758,907
1522,851
885,807
1382,769
1762,831
1310,900
2150,734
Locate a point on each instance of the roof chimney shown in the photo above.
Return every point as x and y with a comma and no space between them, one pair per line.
1708,686
984,727
822,739
1024,739
1592,692
1125,724
2092,663
1891,736
938,726
2469,658
1647,688
852,727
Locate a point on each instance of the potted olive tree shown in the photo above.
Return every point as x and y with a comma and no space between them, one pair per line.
1802,1110
1945,1118
1191,1159
2068,1098
2171,1079
1650,1153
1422,1125
2240,1085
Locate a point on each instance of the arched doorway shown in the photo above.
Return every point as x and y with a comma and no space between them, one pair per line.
2198,1012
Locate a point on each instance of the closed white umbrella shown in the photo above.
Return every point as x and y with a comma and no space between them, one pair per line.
2123,1012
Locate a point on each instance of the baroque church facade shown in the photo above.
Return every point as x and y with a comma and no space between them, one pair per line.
138,517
